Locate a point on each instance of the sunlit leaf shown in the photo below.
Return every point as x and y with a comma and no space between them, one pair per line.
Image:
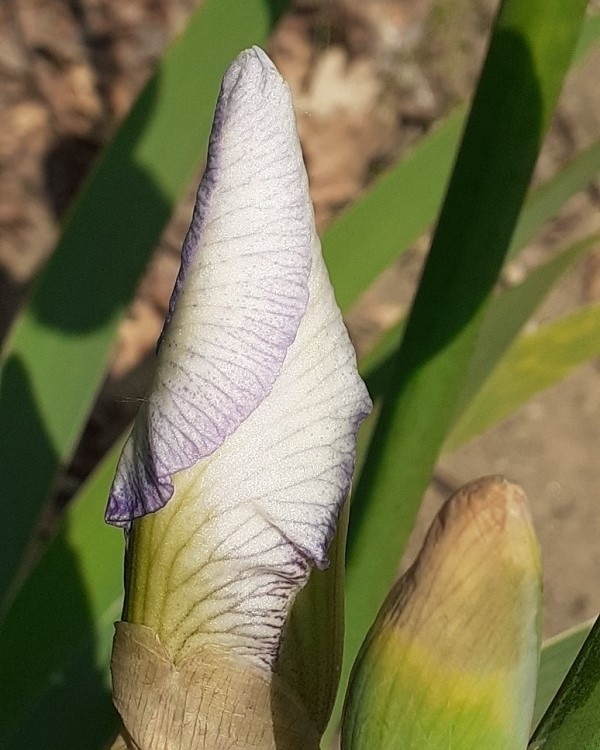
536,361
547,199
55,641
395,212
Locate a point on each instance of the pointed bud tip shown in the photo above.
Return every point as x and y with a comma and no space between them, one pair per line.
253,76
493,514
249,67
493,500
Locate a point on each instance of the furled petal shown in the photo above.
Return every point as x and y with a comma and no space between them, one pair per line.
245,263
451,661
245,447
241,458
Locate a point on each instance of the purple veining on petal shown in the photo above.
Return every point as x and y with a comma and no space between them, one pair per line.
240,294
310,533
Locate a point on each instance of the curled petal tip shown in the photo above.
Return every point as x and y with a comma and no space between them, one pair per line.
245,263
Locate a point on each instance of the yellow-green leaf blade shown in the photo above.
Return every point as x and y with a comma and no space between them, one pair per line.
547,199
535,361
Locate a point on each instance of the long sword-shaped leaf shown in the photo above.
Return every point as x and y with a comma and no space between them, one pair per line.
404,202
573,720
507,314
535,361
543,203
546,200
55,642
58,350
392,215
558,654
529,54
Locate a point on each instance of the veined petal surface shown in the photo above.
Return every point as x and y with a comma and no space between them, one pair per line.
242,457
240,295
245,525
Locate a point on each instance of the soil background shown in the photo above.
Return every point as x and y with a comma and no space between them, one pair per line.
369,77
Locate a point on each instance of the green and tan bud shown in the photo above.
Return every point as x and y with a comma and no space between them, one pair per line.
451,660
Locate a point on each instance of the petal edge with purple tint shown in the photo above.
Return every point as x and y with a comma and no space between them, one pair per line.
247,524
245,264
245,446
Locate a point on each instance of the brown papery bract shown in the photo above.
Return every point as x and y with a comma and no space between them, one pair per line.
208,701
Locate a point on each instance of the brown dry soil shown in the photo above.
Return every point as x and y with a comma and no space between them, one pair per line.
368,78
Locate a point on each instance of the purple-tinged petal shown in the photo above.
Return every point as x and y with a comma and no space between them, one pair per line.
250,426
245,264
246,525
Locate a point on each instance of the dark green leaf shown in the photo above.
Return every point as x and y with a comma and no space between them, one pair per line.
573,720
530,52
558,654
55,641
